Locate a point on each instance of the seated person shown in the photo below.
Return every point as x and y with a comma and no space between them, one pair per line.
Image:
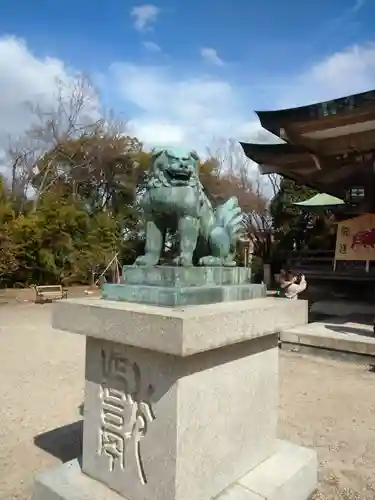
292,284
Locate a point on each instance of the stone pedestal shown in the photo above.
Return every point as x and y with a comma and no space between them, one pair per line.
181,404
181,286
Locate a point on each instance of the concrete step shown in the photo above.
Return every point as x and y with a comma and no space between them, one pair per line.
346,335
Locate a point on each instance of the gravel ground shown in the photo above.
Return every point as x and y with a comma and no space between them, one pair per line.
326,404
330,406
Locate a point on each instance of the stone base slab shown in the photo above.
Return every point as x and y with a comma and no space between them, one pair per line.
173,286
351,335
181,296
178,331
289,474
175,276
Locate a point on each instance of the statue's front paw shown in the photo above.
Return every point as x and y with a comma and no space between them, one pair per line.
146,260
183,260
229,263
210,261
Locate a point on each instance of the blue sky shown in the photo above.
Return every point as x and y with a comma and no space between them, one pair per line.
188,72
264,36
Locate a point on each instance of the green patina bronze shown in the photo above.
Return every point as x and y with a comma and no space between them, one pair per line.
174,200
174,286
205,271
176,276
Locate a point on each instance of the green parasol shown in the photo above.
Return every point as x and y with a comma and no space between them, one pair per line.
321,200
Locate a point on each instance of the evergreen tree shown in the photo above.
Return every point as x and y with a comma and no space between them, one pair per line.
290,222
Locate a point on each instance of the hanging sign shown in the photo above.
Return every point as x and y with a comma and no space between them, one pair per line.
355,238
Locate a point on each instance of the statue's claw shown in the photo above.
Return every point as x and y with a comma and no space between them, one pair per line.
146,260
183,260
210,261
229,263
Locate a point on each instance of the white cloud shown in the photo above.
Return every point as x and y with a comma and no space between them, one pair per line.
169,106
26,79
152,46
347,72
195,108
354,68
358,4
158,132
144,16
211,56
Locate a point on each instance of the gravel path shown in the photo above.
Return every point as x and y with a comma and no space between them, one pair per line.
41,386
329,405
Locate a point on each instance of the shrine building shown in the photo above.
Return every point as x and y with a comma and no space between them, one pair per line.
330,147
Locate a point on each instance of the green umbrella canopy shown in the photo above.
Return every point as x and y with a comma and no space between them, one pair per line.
320,200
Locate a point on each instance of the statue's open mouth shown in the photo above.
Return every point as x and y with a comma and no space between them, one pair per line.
181,175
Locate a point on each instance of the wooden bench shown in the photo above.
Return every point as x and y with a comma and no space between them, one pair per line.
46,293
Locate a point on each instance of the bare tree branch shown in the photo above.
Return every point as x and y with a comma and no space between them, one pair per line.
75,111
274,180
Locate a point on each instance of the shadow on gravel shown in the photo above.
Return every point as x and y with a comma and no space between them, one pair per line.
64,443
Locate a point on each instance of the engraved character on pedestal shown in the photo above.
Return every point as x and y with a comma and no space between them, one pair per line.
124,415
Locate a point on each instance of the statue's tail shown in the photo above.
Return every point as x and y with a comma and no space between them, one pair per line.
229,217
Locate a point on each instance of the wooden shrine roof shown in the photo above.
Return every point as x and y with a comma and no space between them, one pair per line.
318,124
326,144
